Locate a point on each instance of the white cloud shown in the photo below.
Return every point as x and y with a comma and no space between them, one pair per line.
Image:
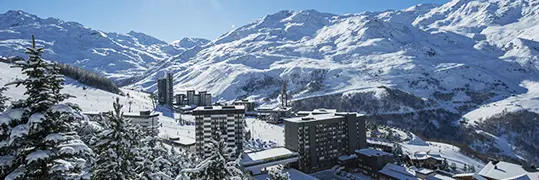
233,26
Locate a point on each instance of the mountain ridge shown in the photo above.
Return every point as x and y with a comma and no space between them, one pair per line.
115,55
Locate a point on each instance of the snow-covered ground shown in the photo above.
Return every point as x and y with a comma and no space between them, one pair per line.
96,100
90,99
528,101
505,147
265,131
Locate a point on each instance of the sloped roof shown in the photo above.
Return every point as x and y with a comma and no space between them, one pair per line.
502,170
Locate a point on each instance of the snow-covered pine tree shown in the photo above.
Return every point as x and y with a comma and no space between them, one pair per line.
218,166
116,147
154,162
278,173
38,140
3,99
181,159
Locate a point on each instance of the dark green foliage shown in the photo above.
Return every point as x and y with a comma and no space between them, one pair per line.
89,78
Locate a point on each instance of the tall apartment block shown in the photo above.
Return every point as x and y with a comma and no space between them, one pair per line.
228,120
190,97
321,138
165,90
203,98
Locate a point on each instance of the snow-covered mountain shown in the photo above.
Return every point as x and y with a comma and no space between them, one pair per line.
115,55
461,53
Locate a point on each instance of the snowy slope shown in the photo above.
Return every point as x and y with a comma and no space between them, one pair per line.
115,55
91,99
526,101
461,54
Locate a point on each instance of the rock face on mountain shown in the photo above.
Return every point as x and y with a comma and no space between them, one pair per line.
114,55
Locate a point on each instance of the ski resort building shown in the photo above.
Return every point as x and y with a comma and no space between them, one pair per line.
255,161
425,159
396,172
226,120
143,118
370,161
165,90
321,139
249,106
203,98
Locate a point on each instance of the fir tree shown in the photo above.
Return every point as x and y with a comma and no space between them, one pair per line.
3,99
37,136
278,173
154,161
218,166
116,147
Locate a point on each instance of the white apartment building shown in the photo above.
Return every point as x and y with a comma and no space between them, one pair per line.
228,120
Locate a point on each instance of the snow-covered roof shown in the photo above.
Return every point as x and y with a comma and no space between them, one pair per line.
293,173
502,170
422,155
439,177
311,118
139,115
322,110
423,171
528,176
372,152
213,108
266,155
398,172
344,157
185,141
92,113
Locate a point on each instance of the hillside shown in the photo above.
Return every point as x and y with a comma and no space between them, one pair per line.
460,63
115,55
89,99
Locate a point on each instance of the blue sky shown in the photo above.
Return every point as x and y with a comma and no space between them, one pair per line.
170,20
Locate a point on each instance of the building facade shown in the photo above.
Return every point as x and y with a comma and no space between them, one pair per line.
165,90
203,98
249,106
190,97
180,100
396,172
228,121
321,139
370,161
143,118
